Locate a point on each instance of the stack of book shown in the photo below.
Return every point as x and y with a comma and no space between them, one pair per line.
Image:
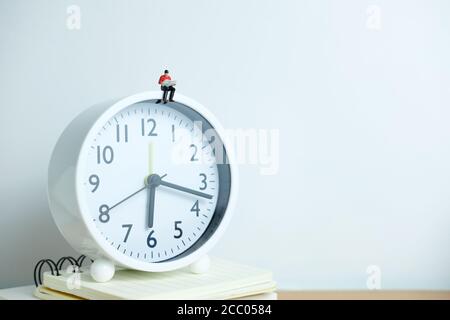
224,280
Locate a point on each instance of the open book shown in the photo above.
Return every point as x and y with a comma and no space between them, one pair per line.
168,83
224,280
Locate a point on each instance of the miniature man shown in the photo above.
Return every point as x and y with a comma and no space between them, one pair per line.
166,85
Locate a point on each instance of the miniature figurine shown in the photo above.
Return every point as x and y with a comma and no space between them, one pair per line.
167,84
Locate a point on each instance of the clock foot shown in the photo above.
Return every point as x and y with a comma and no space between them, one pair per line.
102,270
201,265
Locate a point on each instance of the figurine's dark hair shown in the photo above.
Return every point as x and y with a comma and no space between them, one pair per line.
166,71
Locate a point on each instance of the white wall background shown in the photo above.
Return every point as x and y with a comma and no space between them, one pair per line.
363,117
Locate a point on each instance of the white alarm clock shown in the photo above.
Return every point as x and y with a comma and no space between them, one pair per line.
142,185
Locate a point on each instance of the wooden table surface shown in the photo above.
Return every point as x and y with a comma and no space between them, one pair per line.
363,295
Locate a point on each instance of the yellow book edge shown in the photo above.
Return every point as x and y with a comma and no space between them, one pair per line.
44,293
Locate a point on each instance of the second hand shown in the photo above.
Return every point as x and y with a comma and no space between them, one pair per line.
125,199
132,195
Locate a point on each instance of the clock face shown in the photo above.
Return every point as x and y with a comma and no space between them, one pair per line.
152,182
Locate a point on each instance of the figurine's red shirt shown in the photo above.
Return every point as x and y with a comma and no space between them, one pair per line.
164,78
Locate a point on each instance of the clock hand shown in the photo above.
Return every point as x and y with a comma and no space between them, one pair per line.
132,195
184,189
152,183
151,205
156,181
125,199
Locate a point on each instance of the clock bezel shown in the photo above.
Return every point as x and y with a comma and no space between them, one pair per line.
196,251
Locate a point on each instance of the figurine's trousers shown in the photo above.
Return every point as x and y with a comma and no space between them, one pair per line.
166,90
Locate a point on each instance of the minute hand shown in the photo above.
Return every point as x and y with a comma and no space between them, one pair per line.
183,189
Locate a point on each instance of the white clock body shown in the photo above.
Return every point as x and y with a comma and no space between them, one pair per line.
99,195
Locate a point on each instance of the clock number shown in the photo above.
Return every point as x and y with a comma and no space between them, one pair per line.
152,123
151,241
204,184
104,213
195,208
125,128
128,226
194,147
178,229
106,155
94,180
